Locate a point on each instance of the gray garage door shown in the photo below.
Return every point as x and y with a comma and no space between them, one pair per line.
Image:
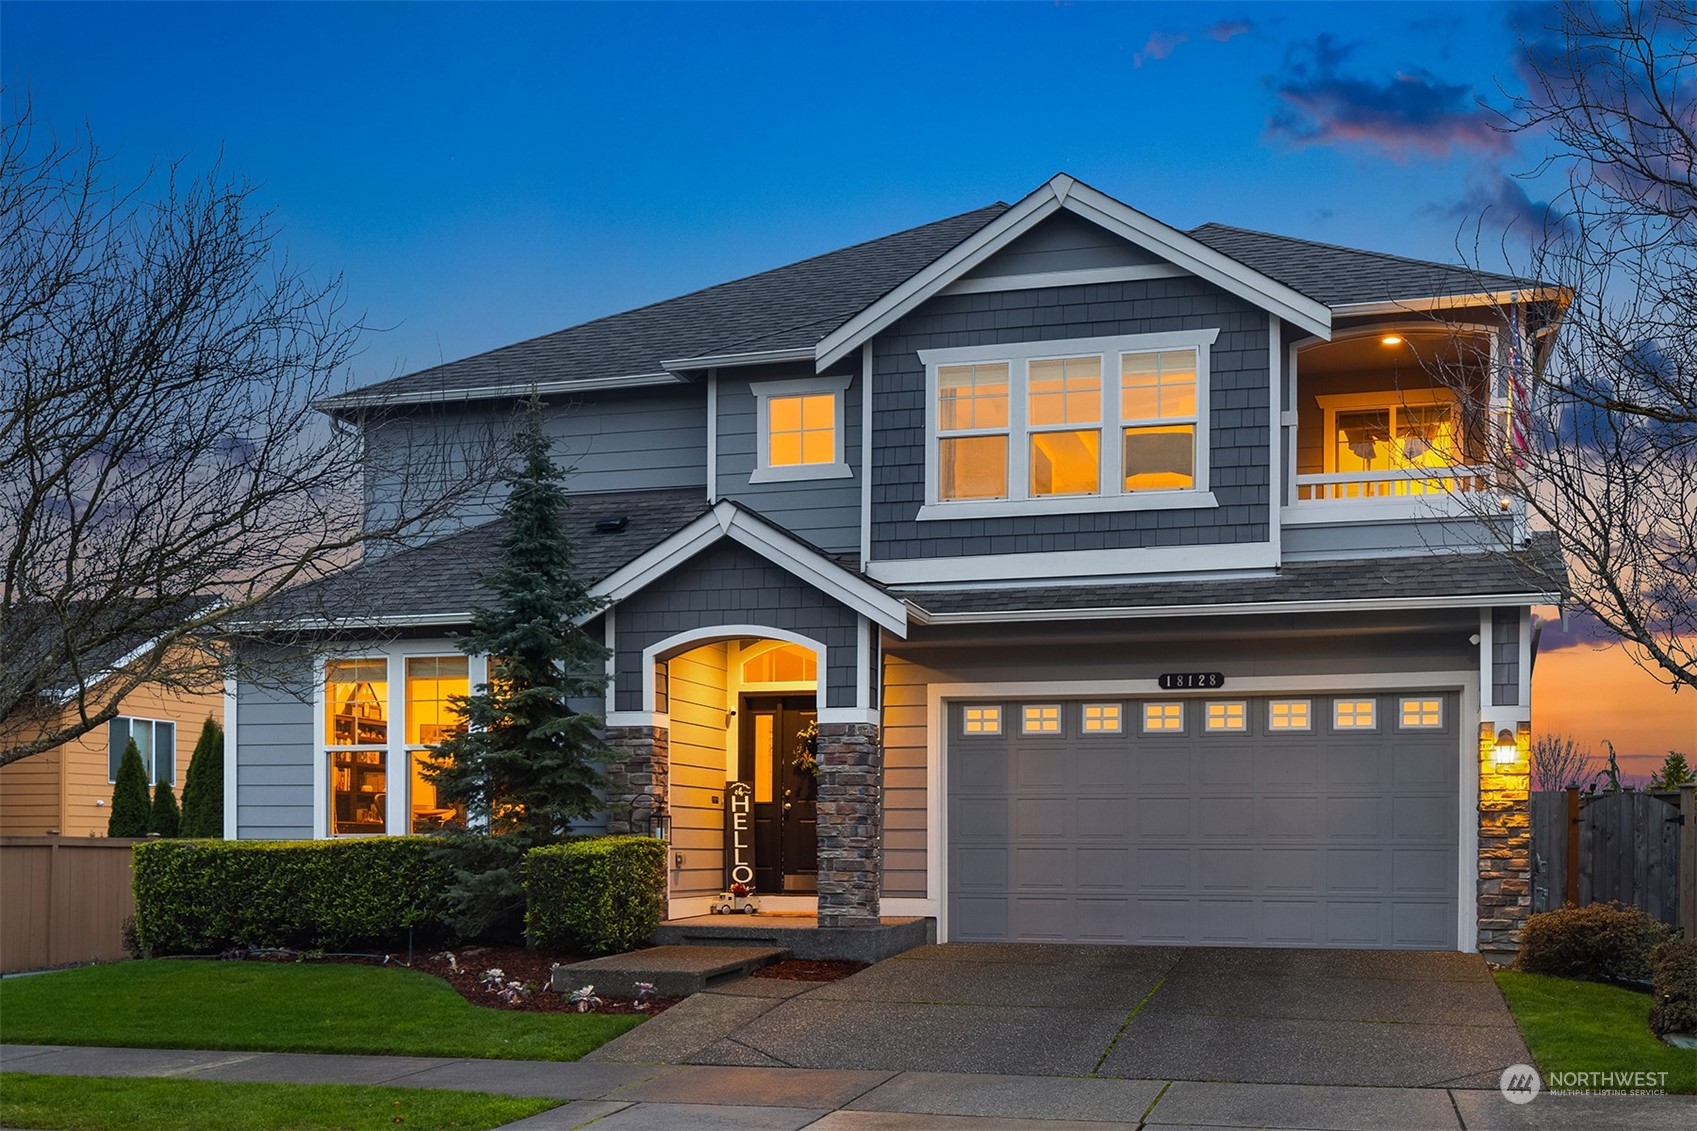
1315,820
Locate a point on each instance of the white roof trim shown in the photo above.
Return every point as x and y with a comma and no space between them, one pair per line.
486,392
1446,302
1240,608
725,520
1064,192
733,360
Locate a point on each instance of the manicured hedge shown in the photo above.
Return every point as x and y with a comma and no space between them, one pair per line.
1601,941
203,896
599,895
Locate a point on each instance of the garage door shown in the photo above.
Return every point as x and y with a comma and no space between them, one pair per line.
1320,820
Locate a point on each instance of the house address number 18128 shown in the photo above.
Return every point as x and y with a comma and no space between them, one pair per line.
1191,681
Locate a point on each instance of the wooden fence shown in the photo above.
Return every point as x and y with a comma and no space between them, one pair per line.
1634,848
63,900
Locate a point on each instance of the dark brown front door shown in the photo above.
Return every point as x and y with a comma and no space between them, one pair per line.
786,844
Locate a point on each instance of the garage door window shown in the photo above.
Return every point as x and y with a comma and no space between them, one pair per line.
1422,714
1354,714
1228,718
982,720
1044,719
1102,718
1289,714
1163,718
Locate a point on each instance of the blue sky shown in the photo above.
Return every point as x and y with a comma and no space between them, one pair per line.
485,173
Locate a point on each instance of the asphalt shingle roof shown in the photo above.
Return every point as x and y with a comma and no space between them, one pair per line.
444,578
788,307
1337,275
1538,570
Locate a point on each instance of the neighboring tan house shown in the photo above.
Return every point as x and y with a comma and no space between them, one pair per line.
1135,581
68,790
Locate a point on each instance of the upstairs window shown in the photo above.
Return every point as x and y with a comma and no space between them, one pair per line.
1096,424
799,429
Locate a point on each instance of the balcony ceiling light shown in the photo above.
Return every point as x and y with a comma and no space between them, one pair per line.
1391,340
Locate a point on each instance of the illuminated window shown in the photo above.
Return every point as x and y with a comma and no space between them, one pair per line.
1393,430
1353,714
1163,717
1102,718
1111,417
356,721
800,429
982,720
1232,716
1158,417
433,683
1422,714
1288,714
972,430
1041,720
788,663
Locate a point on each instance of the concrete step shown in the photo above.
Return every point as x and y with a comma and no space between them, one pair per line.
674,971
801,935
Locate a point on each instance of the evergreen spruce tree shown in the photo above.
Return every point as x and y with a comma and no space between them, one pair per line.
131,806
203,786
522,770
164,817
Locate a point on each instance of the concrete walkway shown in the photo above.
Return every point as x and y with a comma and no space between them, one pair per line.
663,1097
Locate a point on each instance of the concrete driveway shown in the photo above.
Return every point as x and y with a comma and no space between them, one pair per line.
1396,1018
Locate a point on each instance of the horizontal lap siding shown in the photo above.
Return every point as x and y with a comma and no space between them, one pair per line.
1239,417
274,774
905,771
29,795
822,512
697,682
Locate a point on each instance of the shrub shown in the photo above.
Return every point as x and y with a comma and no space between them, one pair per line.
164,817
1673,986
1605,940
131,807
599,895
200,897
203,786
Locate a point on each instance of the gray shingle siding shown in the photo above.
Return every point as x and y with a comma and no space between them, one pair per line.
1505,657
823,512
1239,417
729,584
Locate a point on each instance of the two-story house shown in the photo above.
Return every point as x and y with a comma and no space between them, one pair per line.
1141,585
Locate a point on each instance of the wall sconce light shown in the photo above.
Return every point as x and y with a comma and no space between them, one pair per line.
1507,750
660,825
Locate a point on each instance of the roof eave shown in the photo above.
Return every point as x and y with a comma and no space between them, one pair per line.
348,404
1240,608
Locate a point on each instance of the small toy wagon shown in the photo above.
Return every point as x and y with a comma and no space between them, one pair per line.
740,898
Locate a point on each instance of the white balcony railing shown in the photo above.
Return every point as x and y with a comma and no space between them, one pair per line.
1403,483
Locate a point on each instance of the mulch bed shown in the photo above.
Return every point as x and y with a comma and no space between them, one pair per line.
518,964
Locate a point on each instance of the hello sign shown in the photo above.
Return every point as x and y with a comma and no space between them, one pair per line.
739,823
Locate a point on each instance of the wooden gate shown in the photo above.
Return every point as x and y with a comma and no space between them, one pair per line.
1631,848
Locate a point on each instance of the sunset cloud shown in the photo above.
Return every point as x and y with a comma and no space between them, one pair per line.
1161,44
1411,113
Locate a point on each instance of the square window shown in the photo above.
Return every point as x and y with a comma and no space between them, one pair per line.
1422,713
981,720
1354,714
1042,720
1232,716
1102,718
801,430
1289,714
1163,717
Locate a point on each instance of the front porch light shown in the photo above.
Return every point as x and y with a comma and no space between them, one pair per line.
1506,750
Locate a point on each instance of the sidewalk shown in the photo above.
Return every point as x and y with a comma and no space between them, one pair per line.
662,1097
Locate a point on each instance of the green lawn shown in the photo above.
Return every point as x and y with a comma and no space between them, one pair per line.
1589,1027
105,1103
283,1007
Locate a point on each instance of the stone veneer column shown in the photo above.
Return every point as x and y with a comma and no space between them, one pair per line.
640,765
1505,843
851,823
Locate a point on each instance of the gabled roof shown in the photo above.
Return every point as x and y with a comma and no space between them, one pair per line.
1415,581
787,308
1346,276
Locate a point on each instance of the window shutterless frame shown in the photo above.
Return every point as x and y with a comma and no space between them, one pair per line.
1109,425
765,392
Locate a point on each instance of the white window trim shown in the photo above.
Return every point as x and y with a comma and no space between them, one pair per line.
1084,727
1018,355
1306,728
1143,717
1339,727
1392,399
152,763
1025,719
1402,710
1225,726
763,391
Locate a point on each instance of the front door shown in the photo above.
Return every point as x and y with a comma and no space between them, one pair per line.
786,844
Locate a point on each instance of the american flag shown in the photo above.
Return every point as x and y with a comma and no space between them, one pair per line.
1519,399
